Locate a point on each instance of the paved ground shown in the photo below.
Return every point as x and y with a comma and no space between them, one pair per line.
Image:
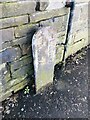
67,98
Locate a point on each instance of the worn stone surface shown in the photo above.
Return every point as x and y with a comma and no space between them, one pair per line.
10,54
26,60
59,53
13,21
81,35
71,49
14,88
36,17
61,37
6,35
43,45
43,4
4,73
24,71
17,8
60,23
24,43
24,30
14,82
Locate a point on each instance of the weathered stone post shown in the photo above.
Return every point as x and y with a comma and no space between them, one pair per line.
44,48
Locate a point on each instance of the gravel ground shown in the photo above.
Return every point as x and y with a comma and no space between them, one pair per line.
66,98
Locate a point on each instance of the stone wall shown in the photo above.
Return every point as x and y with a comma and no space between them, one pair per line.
19,20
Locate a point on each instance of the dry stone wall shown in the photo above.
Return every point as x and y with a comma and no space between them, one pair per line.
19,20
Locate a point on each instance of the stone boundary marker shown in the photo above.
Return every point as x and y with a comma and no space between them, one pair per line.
44,49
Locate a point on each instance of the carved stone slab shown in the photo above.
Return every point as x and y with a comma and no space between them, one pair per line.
44,48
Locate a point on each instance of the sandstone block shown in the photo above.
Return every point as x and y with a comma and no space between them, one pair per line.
26,60
6,35
25,30
13,21
36,17
24,71
17,8
10,54
4,73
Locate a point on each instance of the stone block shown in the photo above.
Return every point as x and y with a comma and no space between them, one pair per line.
77,12
6,35
61,37
10,54
82,34
24,71
13,82
25,44
4,73
13,21
81,25
44,47
60,23
84,12
13,86
25,30
39,16
5,45
83,1
59,53
71,49
26,60
17,8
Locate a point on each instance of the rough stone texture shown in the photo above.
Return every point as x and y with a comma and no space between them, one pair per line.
24,43
80,18
24,30
60,23
6,35
13,82
43,4
10,54
36,17
61,37
24,71
59,53
13,21
43,45
17,8
81,35
14,88
71,49
4,73
20,63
